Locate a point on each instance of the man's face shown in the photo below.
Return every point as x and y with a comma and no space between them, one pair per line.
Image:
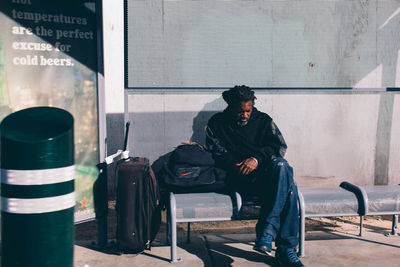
243,112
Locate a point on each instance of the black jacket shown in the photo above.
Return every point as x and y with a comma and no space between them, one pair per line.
231,143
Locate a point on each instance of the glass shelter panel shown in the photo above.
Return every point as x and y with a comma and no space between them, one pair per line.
48,57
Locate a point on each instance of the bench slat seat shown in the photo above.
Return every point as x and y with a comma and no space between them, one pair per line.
382,199
198,207
329,202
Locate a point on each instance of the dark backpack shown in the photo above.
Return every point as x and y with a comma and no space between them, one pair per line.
191,168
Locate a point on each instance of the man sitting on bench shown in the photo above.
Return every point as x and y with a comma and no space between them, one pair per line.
250,147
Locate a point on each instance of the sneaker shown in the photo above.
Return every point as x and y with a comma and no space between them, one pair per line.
288,257
264,244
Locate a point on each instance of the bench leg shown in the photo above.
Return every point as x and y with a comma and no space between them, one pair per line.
302,236
361,226
395,224
172,218
302,230
188,233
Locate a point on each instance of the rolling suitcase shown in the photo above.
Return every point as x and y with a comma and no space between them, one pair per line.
138,204
103,191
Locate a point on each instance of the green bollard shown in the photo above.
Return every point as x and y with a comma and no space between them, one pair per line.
37,188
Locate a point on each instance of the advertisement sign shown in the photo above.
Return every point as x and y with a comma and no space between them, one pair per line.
48,57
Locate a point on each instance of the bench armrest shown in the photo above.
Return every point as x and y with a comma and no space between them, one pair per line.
361,195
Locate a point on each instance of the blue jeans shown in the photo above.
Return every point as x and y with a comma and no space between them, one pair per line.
279,214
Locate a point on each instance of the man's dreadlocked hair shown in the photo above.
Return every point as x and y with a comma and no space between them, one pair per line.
237,94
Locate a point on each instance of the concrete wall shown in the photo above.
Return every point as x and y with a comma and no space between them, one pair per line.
263,43
332,136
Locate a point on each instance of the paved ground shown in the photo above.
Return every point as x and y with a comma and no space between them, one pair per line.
323,248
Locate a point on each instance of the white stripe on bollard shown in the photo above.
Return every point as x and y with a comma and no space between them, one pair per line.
37,177
37,205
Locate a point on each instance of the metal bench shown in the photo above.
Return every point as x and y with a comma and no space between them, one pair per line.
346,200
377,200
327,202
383,200
199,207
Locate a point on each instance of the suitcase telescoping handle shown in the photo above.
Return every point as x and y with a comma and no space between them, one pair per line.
126,134
125,153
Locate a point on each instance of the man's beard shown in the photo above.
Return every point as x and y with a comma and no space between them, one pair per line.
241,122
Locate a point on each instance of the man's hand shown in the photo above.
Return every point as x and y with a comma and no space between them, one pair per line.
247,166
